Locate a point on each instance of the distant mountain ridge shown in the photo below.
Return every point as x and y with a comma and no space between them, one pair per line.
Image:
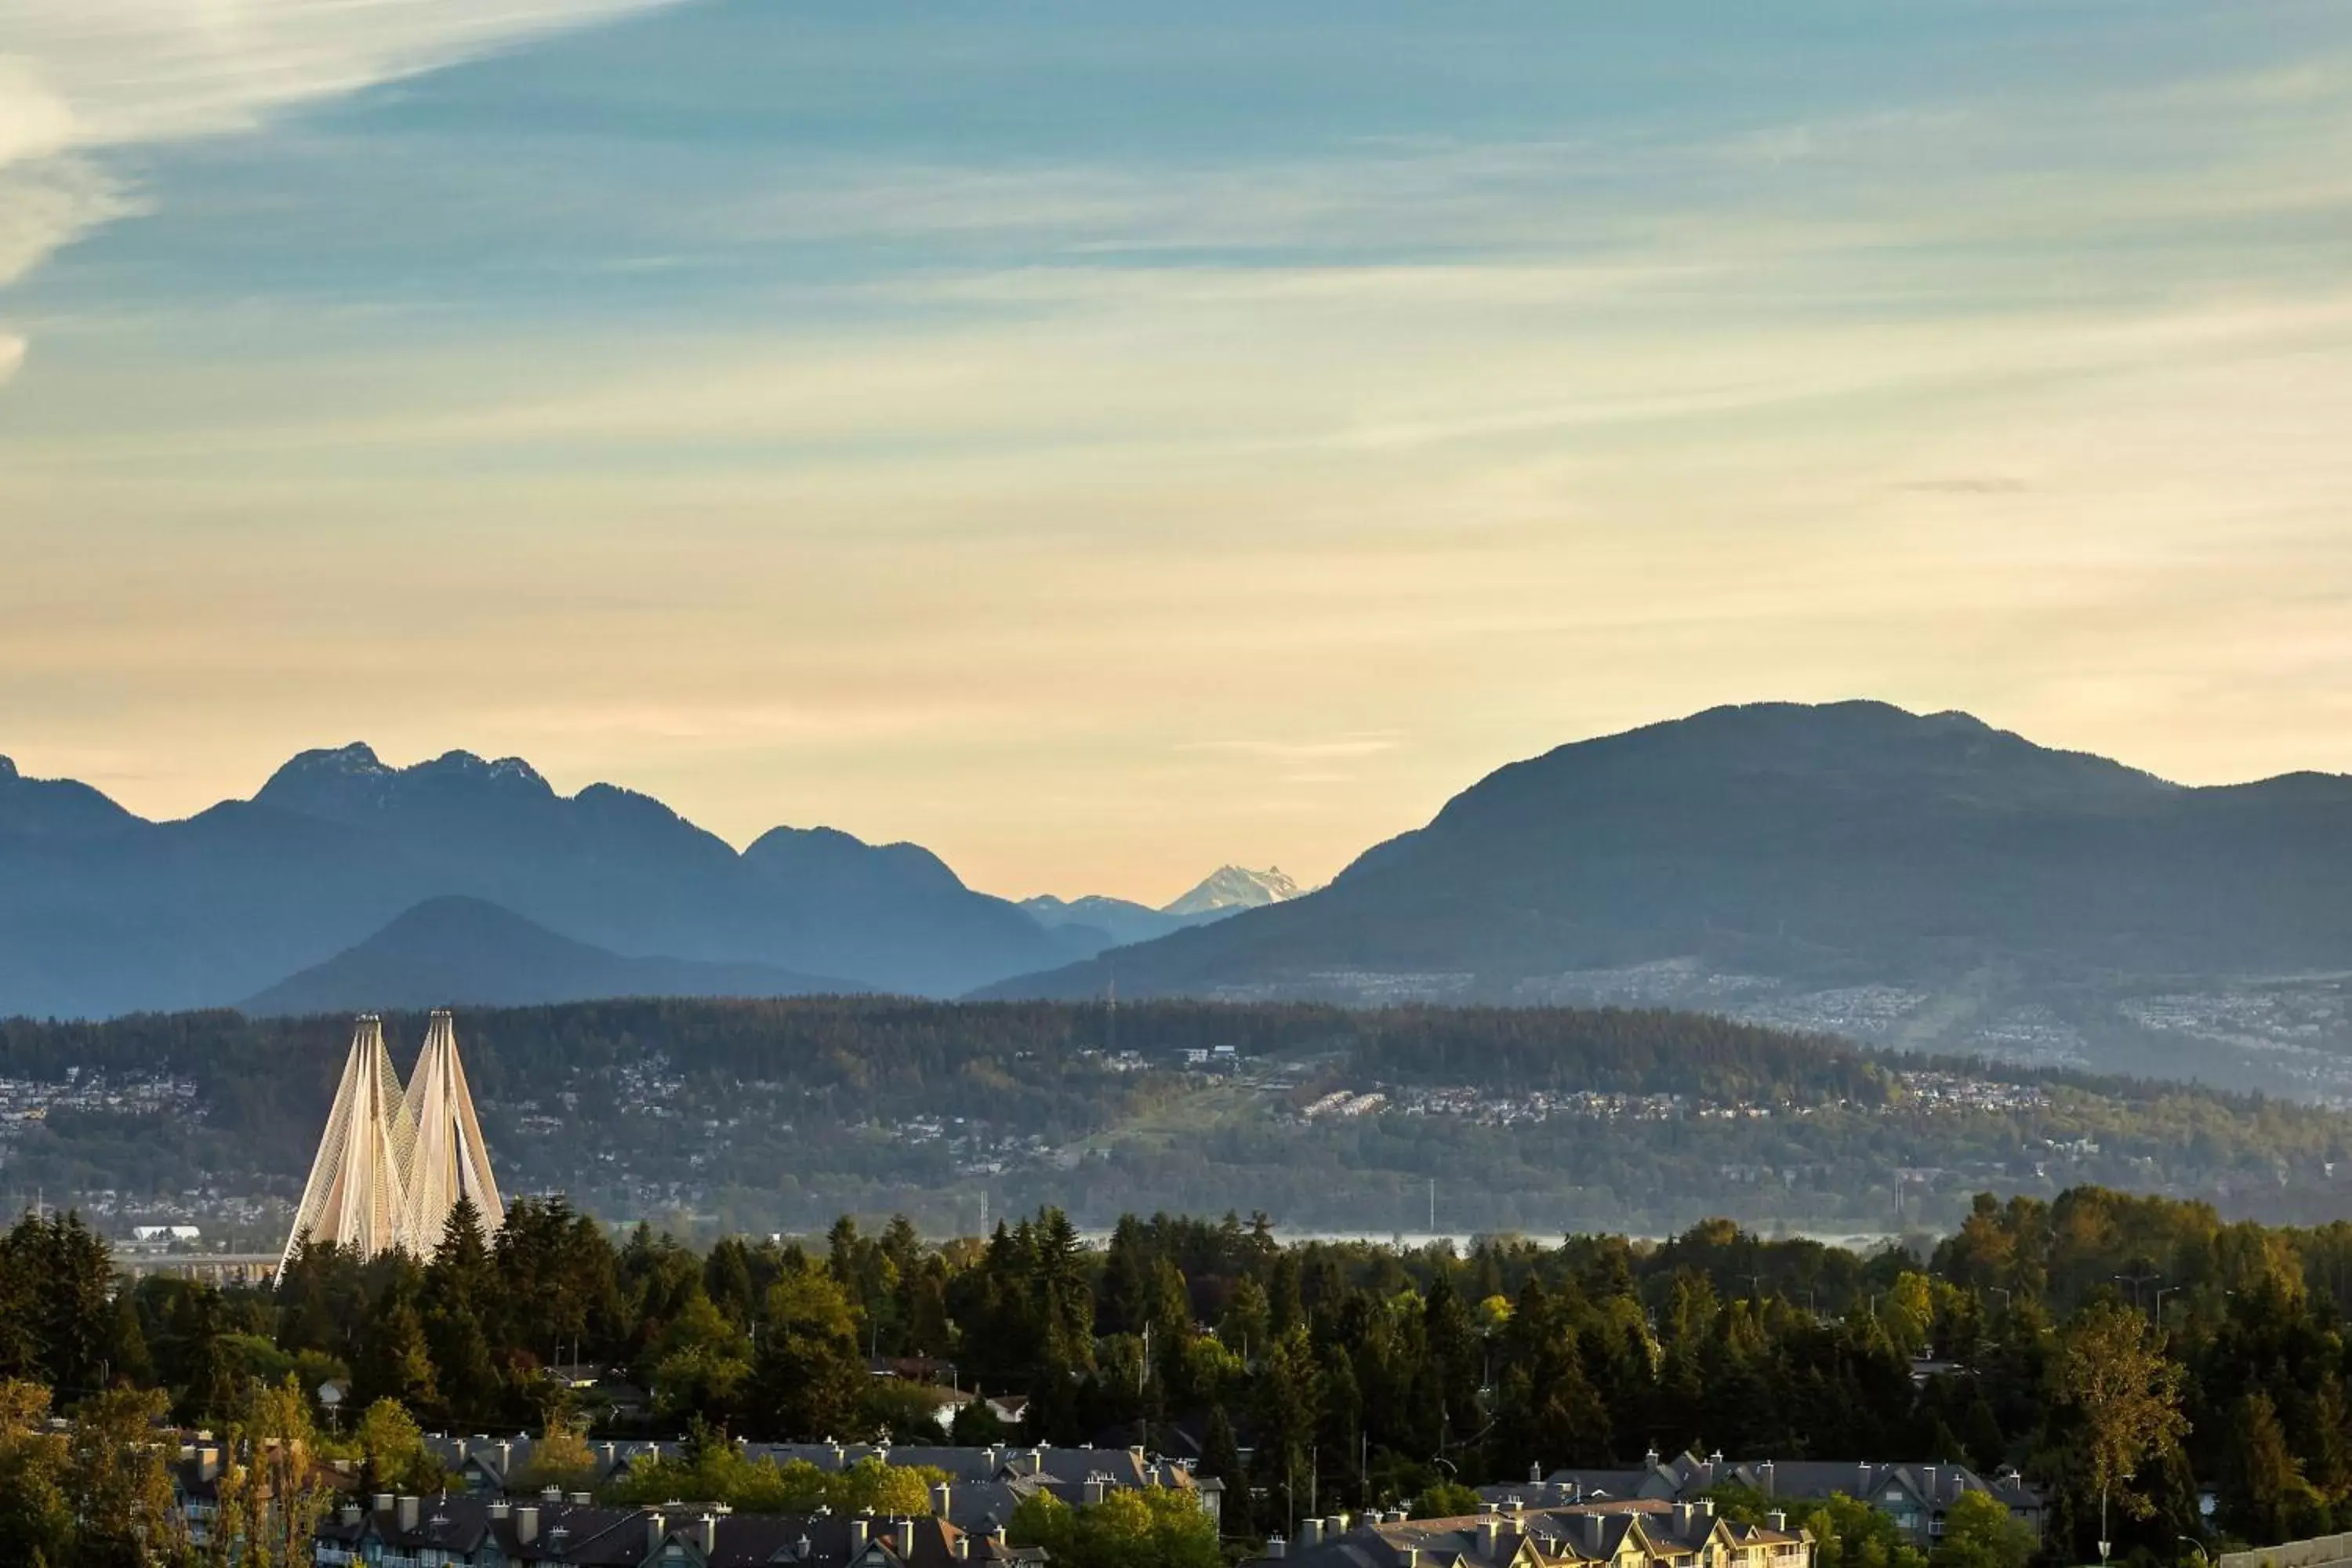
460,952
54,808
1839,847
1847,844
1117,923
102,911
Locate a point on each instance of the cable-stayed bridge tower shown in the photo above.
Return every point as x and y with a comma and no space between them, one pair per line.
449,1160
393,1164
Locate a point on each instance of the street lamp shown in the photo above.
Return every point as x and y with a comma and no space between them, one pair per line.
2136,1281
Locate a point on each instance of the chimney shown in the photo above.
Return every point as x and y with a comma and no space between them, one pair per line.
1409,1556
1596,1528
526,1523
941,1498
1776,1522
1651,1458
1764,1473
904,1530
1535,1473
656,1529
1275,1548
1490,1531
1093,1490
707,1529
1310,1533
1335,1527
579,1499
1931,1482
458,1444
408,1510
961,1547
1683,1512
551,1494
500,1508
506,1460
859,1529
207,1464
349,1513
988,1459
381,1502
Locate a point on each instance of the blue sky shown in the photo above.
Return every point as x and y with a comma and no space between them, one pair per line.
1100,441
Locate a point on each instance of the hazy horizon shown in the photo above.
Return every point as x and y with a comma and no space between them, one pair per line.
1100,445
1154,897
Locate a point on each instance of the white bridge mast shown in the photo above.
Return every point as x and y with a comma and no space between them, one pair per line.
392,1165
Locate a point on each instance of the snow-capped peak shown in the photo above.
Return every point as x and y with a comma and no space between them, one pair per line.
1235,887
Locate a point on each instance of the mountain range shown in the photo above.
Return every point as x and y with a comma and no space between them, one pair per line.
1840,846
1119,921
1826,850
104,912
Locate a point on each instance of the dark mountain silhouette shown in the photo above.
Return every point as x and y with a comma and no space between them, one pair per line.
1834,845
104,912
456,950
54,808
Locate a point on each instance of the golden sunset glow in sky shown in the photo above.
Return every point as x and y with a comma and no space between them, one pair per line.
1100,445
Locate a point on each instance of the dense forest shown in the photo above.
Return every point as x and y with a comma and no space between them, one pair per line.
2137,1346
712,1117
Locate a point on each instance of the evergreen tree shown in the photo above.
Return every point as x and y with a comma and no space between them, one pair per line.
2264,1493
394,1361
127,1358
211,1394
1221,1456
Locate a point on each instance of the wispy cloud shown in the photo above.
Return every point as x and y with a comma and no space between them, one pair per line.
12,355
83,79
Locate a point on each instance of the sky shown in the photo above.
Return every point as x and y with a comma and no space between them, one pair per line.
1102,441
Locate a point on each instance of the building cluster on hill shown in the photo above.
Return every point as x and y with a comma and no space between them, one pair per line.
1512,1535
1916,1496
494,1517
982,1488
1662,1513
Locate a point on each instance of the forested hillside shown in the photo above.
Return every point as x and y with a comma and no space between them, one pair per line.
767,1115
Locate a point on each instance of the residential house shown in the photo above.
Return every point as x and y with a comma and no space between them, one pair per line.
1587,1535
464,1531
1916,1495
